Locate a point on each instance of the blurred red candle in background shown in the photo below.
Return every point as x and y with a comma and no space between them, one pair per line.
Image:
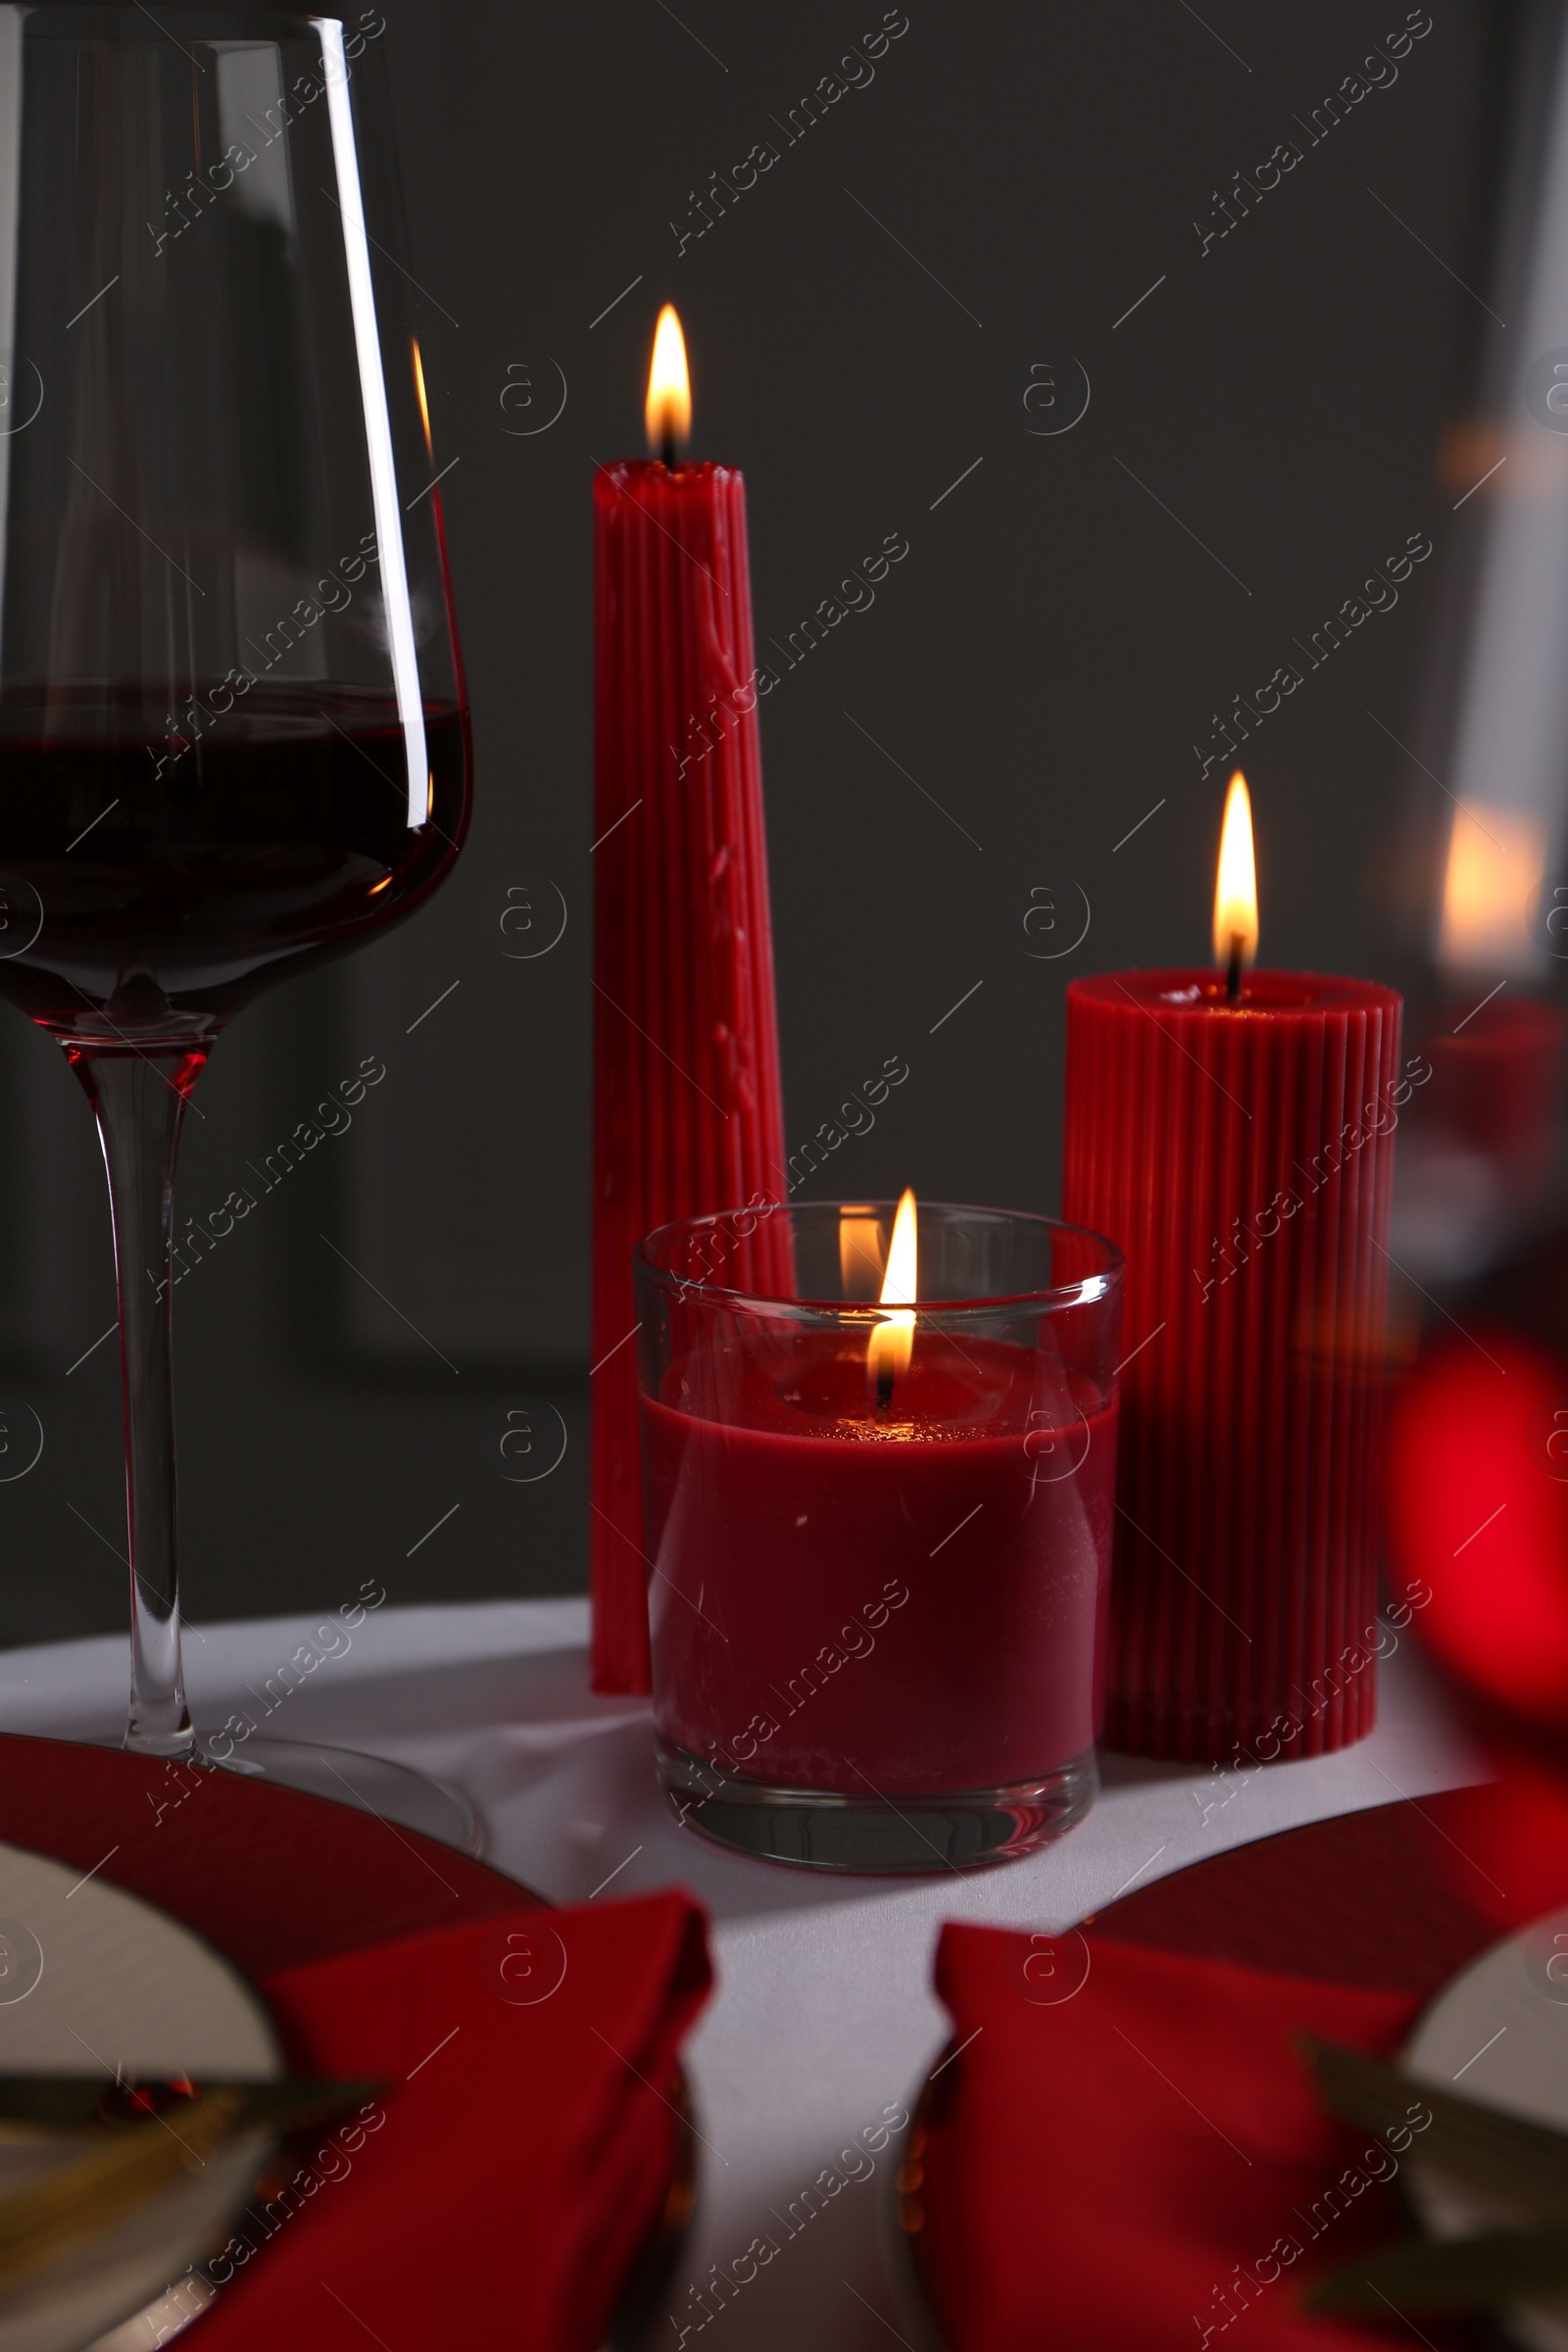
688,1114
1496,1087
1478,1518
1234,1136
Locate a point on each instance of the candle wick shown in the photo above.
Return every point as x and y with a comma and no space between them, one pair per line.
884,1384
1232,972
667,449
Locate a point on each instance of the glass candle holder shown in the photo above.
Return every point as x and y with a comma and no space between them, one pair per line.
879,1536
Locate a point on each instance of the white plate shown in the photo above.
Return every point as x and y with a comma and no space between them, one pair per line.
1500,2033
92,1980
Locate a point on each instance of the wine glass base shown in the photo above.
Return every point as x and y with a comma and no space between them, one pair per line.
395,1794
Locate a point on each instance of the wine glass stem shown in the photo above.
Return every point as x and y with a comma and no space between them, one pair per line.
138,1099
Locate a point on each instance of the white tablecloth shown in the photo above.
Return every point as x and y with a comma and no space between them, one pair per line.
823,2022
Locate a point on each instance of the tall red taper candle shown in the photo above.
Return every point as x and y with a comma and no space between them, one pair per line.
1238,1146
688,1115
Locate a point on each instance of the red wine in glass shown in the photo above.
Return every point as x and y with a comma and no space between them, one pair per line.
233,730
142,871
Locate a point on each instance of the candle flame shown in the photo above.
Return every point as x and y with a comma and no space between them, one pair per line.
669,388
1496,857
425,406
859,1250
892,1340
1236,883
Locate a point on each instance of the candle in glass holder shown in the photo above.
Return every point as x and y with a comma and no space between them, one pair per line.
1232,1131
880,1532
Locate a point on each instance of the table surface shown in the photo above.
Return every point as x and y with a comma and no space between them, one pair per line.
823,2020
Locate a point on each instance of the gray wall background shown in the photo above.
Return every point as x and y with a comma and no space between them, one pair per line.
865,325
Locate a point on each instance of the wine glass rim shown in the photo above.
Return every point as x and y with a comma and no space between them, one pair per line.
1090,1289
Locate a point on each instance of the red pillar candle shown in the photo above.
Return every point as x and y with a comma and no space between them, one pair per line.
688,1115
1235,1141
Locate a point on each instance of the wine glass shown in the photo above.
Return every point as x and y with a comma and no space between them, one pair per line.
233,730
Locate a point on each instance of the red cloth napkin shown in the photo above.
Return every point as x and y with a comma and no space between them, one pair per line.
1144,2163
499,2191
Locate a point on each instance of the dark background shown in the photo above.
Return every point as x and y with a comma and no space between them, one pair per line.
1271,423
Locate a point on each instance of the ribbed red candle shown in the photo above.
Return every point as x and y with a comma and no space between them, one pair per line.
688,1117
1241,1156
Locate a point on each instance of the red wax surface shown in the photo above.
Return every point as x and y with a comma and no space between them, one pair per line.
688,1114
1243,1160
911,1602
